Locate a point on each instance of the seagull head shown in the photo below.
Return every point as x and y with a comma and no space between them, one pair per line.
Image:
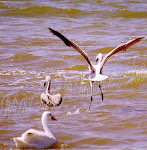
99,58
47,79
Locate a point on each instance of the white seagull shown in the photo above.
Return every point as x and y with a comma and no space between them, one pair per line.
48,99
37,139
96,70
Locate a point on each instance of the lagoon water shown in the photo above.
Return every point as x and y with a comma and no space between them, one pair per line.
28,52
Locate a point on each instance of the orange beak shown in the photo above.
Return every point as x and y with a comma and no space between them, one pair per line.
53,118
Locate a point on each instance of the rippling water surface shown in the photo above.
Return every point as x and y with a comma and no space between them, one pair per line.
28,52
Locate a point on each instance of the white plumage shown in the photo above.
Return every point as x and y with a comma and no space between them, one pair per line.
37,139
95,73
48,99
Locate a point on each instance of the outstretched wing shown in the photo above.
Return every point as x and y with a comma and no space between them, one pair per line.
74,45
122,47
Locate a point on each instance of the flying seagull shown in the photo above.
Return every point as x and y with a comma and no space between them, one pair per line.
95,73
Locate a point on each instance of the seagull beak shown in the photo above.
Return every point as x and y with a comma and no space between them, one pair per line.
53,118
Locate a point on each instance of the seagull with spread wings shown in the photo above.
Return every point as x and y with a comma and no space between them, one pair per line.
95,73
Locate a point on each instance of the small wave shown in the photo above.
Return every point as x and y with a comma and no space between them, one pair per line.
77,67
120,13
41,10
3,6
21,72
138,77
74,113
13,73
22,56
130,14
131,78
137,72
36,11
38,41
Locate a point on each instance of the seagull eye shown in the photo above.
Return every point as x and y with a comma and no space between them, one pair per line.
97,59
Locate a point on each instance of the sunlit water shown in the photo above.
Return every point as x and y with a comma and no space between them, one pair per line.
28,52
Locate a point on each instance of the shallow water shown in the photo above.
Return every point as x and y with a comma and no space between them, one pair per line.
28,52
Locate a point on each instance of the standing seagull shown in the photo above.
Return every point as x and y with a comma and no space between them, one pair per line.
46,98
95,73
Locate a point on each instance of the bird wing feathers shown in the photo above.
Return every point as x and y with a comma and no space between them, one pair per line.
55,100
34,139
74,45
122,47
51,100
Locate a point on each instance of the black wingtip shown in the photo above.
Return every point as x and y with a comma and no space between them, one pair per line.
51,30
62,37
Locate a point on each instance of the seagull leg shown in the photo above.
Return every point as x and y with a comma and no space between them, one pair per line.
101,92
91,84
90,103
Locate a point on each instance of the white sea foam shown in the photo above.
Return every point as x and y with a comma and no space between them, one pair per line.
74,113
